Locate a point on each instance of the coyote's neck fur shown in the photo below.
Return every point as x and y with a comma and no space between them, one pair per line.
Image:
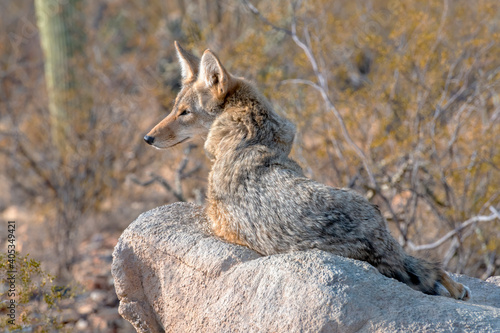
248,123
250,132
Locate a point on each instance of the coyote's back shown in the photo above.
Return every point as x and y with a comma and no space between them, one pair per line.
259,197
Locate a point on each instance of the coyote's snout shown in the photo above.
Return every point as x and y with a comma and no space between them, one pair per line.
258,196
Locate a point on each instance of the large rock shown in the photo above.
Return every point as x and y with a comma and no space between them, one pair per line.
172,275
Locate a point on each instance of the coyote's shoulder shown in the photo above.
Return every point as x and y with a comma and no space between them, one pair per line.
258,196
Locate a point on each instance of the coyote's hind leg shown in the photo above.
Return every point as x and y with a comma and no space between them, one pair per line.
456,290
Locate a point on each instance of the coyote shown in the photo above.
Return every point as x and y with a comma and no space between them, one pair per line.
258,197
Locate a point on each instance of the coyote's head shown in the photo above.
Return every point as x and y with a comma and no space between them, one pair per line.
205,84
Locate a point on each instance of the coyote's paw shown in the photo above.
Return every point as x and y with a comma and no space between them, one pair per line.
456,290
466,294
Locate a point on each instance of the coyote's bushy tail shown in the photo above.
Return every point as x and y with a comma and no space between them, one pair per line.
425,276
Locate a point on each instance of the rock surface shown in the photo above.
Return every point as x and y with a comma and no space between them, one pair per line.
172,275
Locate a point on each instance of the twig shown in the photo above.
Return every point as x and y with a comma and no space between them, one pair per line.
476,219
256,12
158,179
179,176
36,168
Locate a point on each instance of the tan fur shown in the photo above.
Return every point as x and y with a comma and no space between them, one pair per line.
259,197
219,219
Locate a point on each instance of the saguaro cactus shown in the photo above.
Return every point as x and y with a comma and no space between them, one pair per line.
62,34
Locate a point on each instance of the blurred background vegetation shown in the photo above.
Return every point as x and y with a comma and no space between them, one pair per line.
399,100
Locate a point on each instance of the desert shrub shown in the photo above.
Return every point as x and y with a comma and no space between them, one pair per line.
37,297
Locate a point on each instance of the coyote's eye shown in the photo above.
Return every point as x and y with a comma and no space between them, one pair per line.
185,112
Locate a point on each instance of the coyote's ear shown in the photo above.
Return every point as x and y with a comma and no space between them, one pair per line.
214,74
189,63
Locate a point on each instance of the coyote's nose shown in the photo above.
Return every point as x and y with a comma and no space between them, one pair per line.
149,139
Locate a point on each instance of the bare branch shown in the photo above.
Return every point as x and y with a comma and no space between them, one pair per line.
257,13
302,81
37,169
176,190
158,179
136,180
495,215
450,253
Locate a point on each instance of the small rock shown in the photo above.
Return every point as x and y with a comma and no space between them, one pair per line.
97,238
69,316
86,308
81,324
494,279
97,323
100,282
98,296
108,313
